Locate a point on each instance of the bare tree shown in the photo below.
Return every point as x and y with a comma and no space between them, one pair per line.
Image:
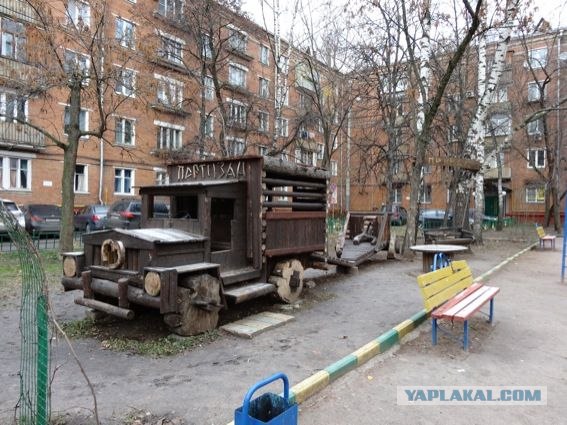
70,50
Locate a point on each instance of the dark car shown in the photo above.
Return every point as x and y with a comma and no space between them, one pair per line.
125,214
90,218
399,215
431,219
42,218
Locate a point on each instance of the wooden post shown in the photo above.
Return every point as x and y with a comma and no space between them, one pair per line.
86,276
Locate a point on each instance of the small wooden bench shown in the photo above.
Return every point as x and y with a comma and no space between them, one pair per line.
543,238
452,295
448,235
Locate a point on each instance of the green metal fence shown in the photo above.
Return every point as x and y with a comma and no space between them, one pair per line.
33,406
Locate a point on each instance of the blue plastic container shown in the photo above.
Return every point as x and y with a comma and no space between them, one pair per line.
269,408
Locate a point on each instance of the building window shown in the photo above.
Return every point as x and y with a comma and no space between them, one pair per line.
425,195
283,64
83,120
264,55
15,173
499,95
334,168
126,81
500,125
13,107
537,58
81,179
535,127
13,40
536,158
397,195
237,114
171,50
263,88
236,147
209,88
206,51
282,127
305,157
263,150
76,64
263,121
237,75
535,194
282,96
426,169
171,8
124,131
79,13
124,33
169,92
162,177
534,92
169,136
320,151
237,40
123,181
210,126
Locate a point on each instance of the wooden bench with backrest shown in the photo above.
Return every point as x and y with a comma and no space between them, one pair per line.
543,237
448,236
450,294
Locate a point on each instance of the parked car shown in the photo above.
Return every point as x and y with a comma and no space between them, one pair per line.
126,213
90,218
15,211
42,218
430,219
399,215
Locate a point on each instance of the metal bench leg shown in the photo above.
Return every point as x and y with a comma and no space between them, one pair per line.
466,335
434,331
491,314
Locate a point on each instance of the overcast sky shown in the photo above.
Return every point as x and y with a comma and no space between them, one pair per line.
554,11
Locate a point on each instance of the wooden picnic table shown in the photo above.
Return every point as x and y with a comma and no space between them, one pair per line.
429,251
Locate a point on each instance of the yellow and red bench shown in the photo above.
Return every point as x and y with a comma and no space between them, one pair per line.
543,238
450,294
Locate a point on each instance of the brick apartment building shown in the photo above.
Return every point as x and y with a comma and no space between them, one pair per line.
171,92
180,82
534,79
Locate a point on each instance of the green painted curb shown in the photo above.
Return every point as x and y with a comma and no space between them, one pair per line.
385,341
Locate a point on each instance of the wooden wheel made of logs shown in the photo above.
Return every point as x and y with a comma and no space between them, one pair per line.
199,302
288,278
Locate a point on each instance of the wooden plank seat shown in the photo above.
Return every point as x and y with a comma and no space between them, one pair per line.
448,235
450,294
543,238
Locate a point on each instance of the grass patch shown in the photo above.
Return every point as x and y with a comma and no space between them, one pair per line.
11,272
152,345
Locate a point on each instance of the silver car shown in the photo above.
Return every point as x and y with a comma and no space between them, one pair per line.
15,211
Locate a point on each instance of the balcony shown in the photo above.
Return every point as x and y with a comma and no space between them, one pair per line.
492,173
170,109
19,10
15,71
20,136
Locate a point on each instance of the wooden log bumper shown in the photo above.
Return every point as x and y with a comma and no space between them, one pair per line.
123,313
110,289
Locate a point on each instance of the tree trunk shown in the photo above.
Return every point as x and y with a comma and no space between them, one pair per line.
69,163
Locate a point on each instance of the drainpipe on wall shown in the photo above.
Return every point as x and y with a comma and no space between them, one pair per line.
347,178
556,170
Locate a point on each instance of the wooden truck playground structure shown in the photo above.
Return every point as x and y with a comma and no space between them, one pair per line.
238,228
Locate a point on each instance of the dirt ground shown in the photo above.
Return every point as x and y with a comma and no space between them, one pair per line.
206,384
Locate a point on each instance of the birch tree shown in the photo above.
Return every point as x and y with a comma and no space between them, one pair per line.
486,87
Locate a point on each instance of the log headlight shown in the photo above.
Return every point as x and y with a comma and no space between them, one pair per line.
73,263
112,253
152,283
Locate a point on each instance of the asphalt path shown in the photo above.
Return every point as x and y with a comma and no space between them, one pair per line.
204,386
